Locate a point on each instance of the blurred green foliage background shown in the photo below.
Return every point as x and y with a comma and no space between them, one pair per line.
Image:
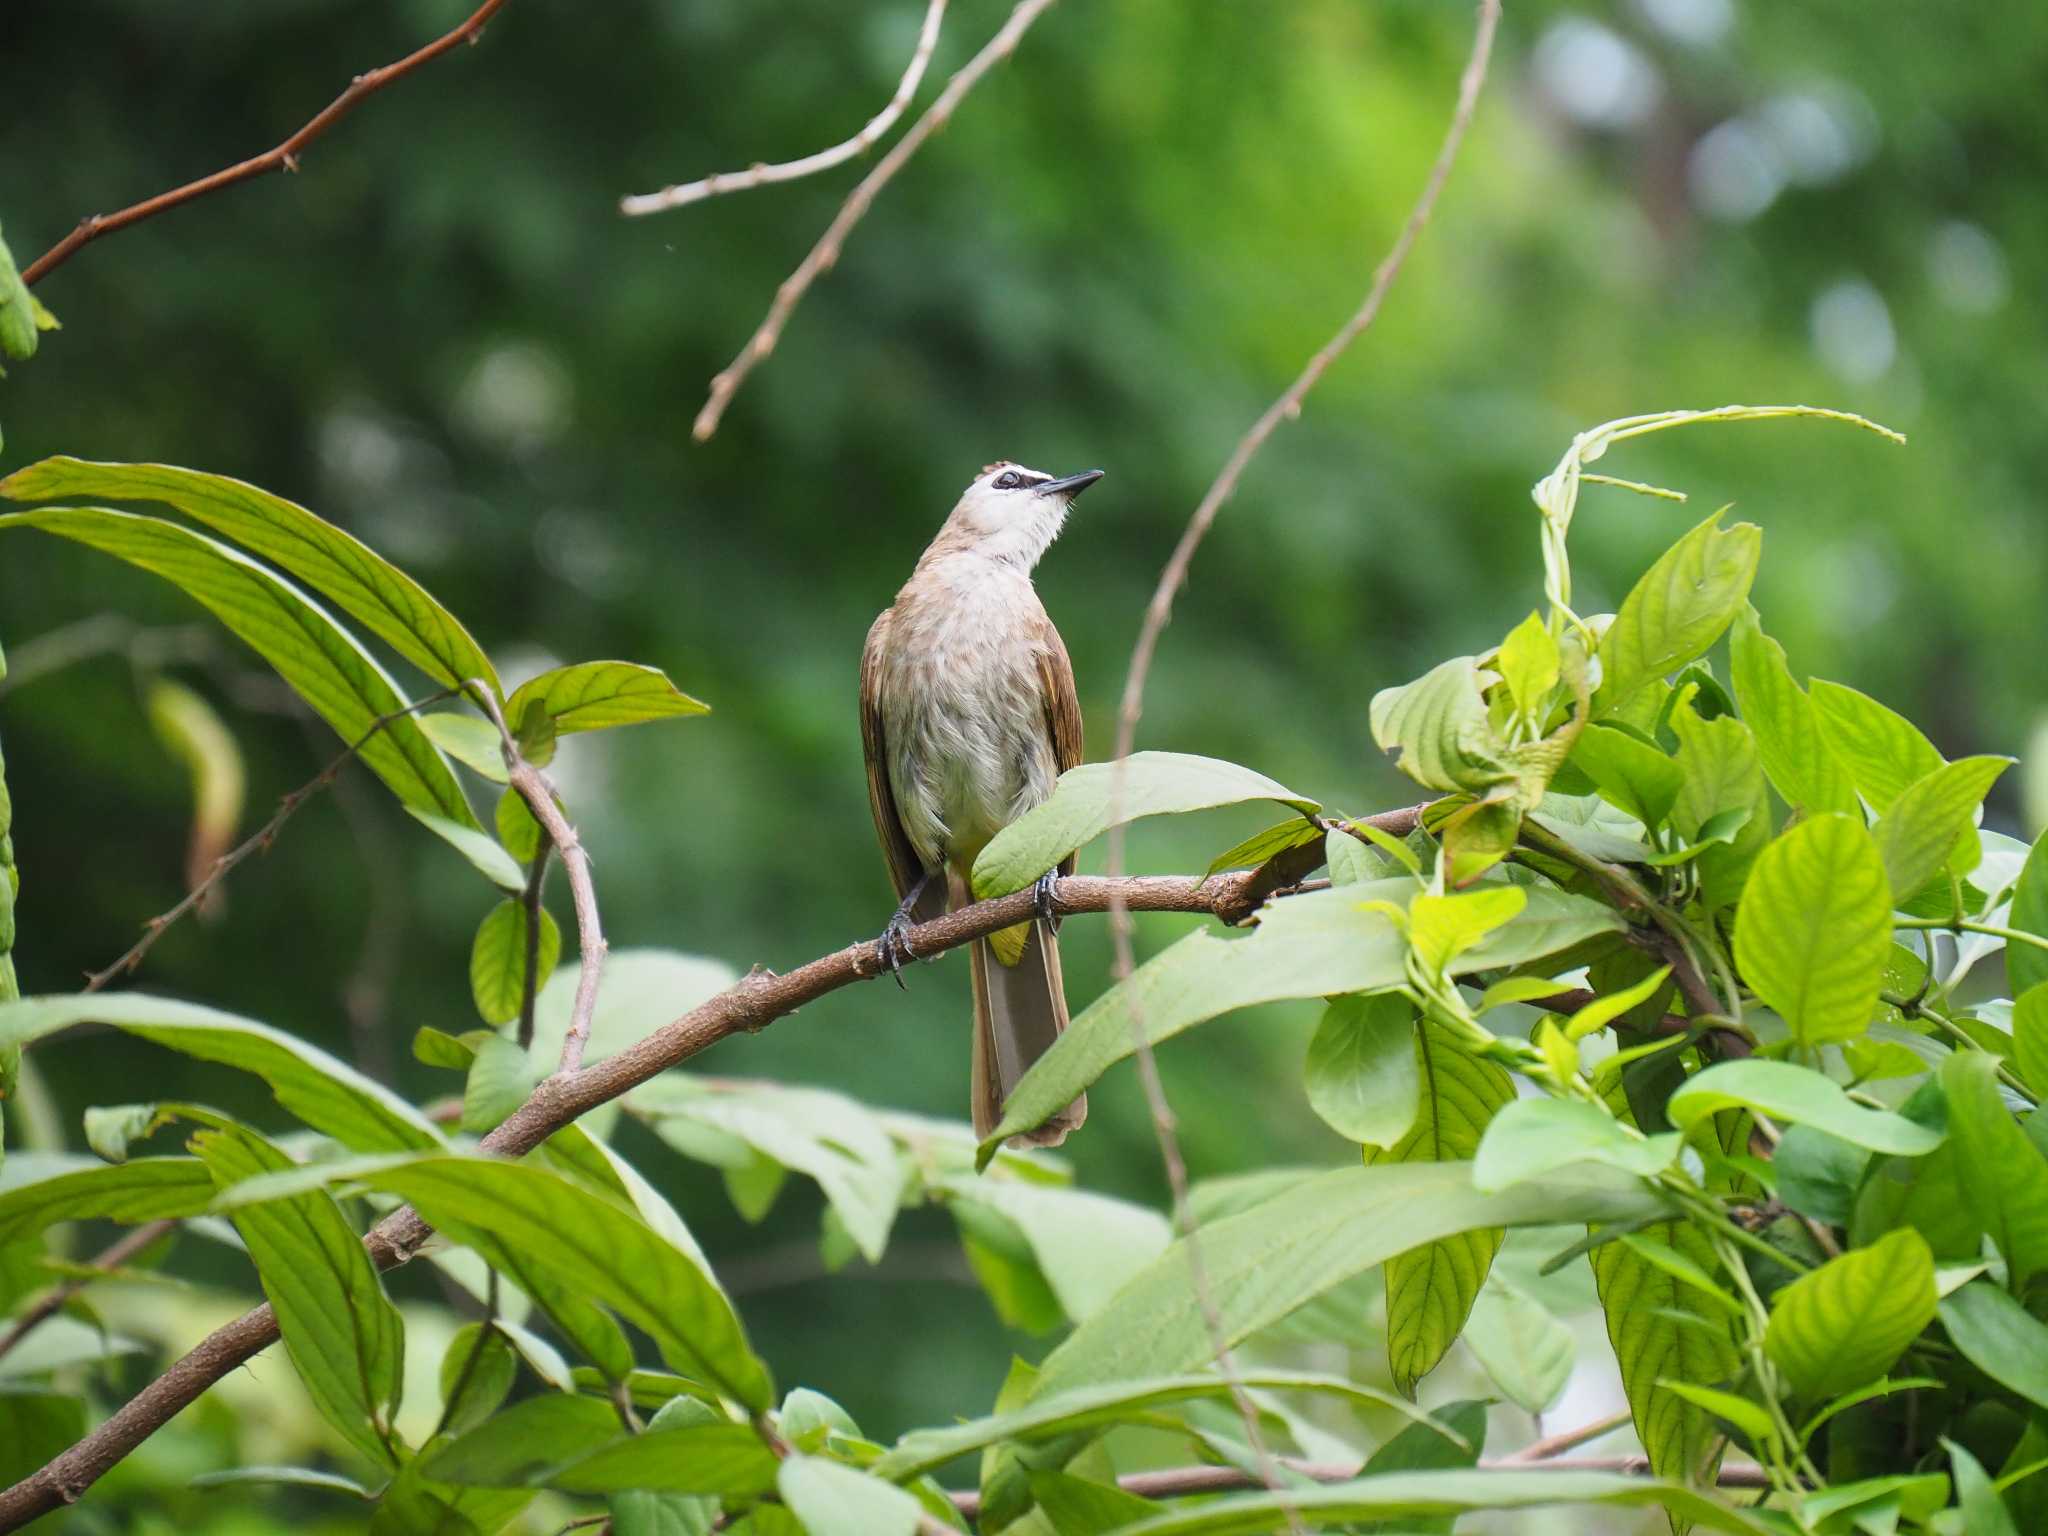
443,335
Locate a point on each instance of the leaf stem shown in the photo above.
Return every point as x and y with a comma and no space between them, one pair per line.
1965,925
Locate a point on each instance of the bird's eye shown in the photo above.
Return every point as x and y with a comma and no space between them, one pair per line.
1009,480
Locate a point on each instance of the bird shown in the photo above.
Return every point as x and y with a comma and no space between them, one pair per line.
968,718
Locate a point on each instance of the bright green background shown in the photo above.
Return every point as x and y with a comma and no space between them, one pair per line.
442,335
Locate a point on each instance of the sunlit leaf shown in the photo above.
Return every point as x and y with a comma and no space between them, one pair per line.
596,695
1532,1137
1845,1324
1787,731
1630,774
1814,929
1926,824
1679,608
1800,1096
2004,1178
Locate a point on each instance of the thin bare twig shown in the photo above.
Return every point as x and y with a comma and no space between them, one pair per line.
285,157
758,175
1566,1440
111,1258
539,795
259,842
750,1004
1157,613
822,256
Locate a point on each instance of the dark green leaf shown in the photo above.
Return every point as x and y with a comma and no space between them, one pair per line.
1261,846
476,1372
144,1190
2000,1337
517,830
497,960
1818,1174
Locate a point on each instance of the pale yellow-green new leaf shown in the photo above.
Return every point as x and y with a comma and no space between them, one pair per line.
1923,831
1787,730
594,695
1530,664
1814,929
1679,608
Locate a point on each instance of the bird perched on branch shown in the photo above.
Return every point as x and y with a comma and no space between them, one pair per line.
968,715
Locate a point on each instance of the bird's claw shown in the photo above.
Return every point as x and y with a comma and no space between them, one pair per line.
1043,899
893,947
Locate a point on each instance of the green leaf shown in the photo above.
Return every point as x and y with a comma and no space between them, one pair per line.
1984,1513
1883,750
324,664
1630,774
388,602
36,1428
520,834
1532,1137
1724,787
1846,1324
1739,1412
475,845
344,1335
1154,784
1679,608
1441,928
1320,944
1362,1074
1528,1352
1800,1096
473,742
636,1512
1049,1415
1405,1496
1261,846
1431,1287
1086,1245
327,1094
477,1371
1663,1328
1814,931
2027,964
518,1447
596,695
497,960
1926,825
1529,663
2000,1337
147,1189
643,990
1077,1507
1439,729
832,1499
1609,1006
2030,1036
2004,1178
1262,1264
1786,727
1818,1174
711,1458
414,1505
501,1078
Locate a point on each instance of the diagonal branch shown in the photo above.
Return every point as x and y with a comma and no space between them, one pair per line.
285,157
725,385
753,1003
825,159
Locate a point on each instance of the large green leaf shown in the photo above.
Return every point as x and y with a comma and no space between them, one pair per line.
324,664
1814,930
326,1093
1086,1245
343,1333
1362,1074
1788,734
1846,1324
2027,964
1679,608
1532,1137
1883,750
1320,944
1431,1287
2000,1337
1662,1329
594,695
1928,822
1262,1264
1800,1096
1049,1415
145,1190
1630,774
2003,1176
1079,810
388,602
1405,1496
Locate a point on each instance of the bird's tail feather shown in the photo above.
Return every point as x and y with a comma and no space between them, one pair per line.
1019,1011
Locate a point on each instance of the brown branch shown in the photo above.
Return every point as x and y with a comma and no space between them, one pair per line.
529,993
285,157
758,175
259,842
826,252
1175,1482
753,1003
111,1258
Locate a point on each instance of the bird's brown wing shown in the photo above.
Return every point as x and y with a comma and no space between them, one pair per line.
905,869
1062,710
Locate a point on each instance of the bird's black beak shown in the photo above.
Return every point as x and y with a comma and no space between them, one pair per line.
1072,486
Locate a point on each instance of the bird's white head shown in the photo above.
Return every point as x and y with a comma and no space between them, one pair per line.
1013,514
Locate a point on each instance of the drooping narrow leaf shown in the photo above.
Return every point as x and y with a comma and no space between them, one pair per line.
1814,930
1679,608
339,566
327,1094
1788,734
2004,1178
344,1335
1263,1263
144,1190
324,664
1664,1329
1431,1287
594,695
1845,1324
1079,810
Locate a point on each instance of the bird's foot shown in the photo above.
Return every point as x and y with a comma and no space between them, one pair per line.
1043,899
893,947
